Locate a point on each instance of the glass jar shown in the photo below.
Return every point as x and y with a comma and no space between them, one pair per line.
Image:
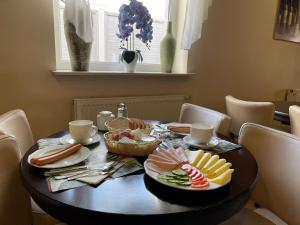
122,110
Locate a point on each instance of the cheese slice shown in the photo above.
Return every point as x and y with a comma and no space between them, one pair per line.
198,157
221,170
210,162
223,178
216,166
203,160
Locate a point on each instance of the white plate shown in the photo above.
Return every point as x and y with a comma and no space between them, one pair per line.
68,139
165,126
155,175
73,159
211,144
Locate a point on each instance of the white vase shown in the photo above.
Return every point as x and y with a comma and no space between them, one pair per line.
167,50
129,60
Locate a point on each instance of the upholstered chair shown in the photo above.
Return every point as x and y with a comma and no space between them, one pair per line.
14,200
277,190
191,113
245,111
294,112
15,124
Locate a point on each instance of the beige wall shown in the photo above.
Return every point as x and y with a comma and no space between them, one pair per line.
236,55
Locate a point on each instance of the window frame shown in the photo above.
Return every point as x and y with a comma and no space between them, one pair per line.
94,66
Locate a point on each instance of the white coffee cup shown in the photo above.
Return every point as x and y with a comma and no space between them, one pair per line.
201,133
82,130
103,117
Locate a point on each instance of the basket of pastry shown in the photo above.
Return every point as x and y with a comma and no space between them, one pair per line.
130,142
122,123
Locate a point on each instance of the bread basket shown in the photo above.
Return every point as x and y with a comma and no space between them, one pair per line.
141,148
122,123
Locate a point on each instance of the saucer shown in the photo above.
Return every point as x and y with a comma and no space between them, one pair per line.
211,144
68,139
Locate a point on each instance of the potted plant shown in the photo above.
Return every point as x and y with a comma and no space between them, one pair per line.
134,22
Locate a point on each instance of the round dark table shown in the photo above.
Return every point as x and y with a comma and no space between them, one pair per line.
137,199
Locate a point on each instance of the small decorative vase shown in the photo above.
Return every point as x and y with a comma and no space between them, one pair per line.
129,60
167,50
79,51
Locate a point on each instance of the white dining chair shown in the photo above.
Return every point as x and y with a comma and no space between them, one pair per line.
246,111
15,124
191,113
277,154
15,206
294,112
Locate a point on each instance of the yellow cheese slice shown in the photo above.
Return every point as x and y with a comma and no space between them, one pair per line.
210,162
203,160
199,155
216,166
221,170
223,178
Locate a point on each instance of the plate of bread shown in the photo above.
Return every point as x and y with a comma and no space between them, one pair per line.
180,129
123,123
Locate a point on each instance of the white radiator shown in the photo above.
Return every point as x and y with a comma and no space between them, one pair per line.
163,108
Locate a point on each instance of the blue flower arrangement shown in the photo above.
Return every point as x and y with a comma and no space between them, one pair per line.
135,13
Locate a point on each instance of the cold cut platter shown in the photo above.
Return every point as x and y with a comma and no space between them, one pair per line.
188,170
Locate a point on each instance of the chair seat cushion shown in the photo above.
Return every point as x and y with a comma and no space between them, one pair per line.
35,208
247,217
270,216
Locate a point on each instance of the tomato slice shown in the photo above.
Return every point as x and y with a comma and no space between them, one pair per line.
186,166
194,172
205,185
199,181
199,176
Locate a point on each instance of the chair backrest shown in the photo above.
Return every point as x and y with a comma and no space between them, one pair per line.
193,114
14,200
277,154
245,111
15,123
294,112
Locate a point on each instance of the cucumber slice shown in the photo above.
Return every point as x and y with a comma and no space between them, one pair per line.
169,174
187,183
184,178
163,177
175,181
179,172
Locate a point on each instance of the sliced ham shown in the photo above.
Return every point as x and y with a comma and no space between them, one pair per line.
160,158
163,165
180,154
170,155
155,167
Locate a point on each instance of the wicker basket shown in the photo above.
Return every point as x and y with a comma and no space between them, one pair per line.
142,148
122,123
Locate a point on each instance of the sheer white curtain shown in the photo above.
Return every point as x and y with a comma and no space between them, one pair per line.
196,14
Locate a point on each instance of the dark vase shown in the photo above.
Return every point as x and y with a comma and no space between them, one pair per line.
129,60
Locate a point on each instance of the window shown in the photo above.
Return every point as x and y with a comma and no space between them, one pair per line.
106,45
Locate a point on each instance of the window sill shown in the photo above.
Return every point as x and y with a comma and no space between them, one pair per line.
109,73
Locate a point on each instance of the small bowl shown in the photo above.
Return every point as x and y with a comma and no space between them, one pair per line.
142,148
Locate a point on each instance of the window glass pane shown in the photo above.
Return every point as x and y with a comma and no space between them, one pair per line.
106,45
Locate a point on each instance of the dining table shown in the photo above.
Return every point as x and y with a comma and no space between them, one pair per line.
139,199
